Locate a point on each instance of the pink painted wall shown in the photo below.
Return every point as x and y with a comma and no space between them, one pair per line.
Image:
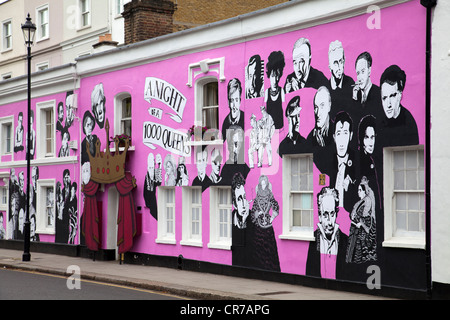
397,41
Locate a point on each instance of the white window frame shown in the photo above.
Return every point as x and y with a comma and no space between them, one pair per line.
290,231
41,66
39,35
215,239
392,238
7,121
41,130
4,199
5,36
42,225
87,12
199,99
6,76
189,237
166,236
118,107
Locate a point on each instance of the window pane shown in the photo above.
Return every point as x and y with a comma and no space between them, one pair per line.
411,180
398,160
297,218
297,201
401,221
307,201
413,221
210,94
210,118
399,180
306,218
411,159
400,201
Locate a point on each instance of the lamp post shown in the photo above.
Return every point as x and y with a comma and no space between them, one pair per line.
29,30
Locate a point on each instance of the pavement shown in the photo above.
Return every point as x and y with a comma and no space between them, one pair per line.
190,284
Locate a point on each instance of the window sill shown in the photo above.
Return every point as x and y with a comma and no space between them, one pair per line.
192,243
220,245
166,241
204,143
43,231
299,236
405,242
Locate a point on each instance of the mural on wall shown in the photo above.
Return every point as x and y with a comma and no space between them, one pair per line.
18,137
254,77
323,93
153,178
253,237
17,203
66,209
108,168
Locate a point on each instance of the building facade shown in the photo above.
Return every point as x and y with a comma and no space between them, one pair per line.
293,141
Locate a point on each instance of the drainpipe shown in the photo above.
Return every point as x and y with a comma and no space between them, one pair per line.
428,4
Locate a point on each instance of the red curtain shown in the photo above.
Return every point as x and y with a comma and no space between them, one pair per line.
126,217
90,226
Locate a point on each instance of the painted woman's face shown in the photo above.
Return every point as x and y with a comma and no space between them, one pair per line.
88,125
369,140
361,192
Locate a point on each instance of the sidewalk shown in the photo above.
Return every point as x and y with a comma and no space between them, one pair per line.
194,285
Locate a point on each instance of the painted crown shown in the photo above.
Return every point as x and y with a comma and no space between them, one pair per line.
107,167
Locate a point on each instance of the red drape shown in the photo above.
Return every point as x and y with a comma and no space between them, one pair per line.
126,217
90,226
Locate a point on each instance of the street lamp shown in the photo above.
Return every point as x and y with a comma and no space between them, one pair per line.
29,30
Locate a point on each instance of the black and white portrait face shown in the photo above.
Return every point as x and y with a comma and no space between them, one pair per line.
98,104
216,161
88,125
235,137
327,213
390,98
369,140
234,100
69,106
363,71
86,172
336,60
254,80
241,203
293,114
60,112
342,137
21,180
201,162
322,107
301,57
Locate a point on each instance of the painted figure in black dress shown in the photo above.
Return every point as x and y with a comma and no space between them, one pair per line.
274,95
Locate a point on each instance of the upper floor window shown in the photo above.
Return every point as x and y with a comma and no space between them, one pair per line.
207,103
85,13
43,28
6,134
45,143
122,122
7,35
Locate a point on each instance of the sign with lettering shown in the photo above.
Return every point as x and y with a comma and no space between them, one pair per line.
166,93
170,139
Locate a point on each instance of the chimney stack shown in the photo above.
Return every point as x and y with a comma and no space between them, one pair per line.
145,19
